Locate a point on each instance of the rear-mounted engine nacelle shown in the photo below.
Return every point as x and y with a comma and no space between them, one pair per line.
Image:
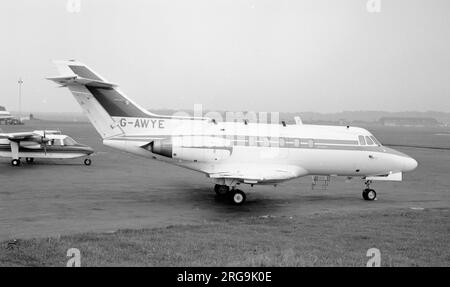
192,148
161,147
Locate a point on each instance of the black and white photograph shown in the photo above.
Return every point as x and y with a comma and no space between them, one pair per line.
238,134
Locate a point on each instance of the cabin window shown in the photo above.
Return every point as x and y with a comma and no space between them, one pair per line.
310,143
369,141
296,142
56,142
264,141
362,141
282,142
240,140
251,141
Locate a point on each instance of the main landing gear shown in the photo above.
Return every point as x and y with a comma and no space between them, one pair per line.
15,162
87,161
368,193
236,196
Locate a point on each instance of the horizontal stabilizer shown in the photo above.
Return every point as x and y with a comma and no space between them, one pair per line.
67,80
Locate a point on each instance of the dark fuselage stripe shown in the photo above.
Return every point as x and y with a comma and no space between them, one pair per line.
288,143
7,148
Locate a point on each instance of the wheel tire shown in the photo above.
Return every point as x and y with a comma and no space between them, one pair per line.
221,190
87,161
15,162
29,160
237,197
364,194
369,194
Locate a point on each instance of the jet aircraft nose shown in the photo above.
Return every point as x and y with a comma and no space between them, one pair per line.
409,164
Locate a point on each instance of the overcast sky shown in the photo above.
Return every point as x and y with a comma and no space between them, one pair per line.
277,55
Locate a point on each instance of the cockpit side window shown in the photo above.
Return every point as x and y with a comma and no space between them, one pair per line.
369,141
362,141
375,140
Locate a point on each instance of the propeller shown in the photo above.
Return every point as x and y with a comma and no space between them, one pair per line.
44,141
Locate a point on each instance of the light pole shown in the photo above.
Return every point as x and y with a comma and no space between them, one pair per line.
20,96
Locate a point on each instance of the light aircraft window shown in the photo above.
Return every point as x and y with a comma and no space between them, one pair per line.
375,140
69,141
362,141
296,142
282,142
252,141
369,141
311,143
56,142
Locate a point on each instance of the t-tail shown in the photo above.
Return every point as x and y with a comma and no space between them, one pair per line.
101,101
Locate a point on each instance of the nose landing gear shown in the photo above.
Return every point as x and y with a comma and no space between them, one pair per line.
368,193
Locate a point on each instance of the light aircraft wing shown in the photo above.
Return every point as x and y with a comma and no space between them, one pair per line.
22,136
30,140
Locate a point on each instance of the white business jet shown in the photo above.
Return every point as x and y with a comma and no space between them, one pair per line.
232,153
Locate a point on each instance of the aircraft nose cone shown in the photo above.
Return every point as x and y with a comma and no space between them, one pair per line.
89,150
409,164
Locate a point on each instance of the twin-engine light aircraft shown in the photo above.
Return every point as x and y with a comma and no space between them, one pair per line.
231,153
41,144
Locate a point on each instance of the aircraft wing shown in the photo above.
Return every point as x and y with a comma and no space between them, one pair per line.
253,174
22,136
30,140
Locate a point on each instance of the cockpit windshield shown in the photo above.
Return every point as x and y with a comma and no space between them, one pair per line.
375,141
368,140
69,141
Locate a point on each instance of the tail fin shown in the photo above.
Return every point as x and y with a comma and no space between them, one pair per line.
99,99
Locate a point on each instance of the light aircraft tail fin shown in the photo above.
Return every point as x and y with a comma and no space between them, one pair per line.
99,99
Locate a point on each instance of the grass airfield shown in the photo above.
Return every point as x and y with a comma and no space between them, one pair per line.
126,210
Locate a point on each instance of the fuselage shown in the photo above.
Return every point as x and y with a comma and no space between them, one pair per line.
211,147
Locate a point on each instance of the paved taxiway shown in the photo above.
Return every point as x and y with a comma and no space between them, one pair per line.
124,191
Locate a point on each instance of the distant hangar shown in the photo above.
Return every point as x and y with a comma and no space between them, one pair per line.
409,122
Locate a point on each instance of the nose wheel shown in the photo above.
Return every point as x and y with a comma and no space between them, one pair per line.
15,162
368,193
